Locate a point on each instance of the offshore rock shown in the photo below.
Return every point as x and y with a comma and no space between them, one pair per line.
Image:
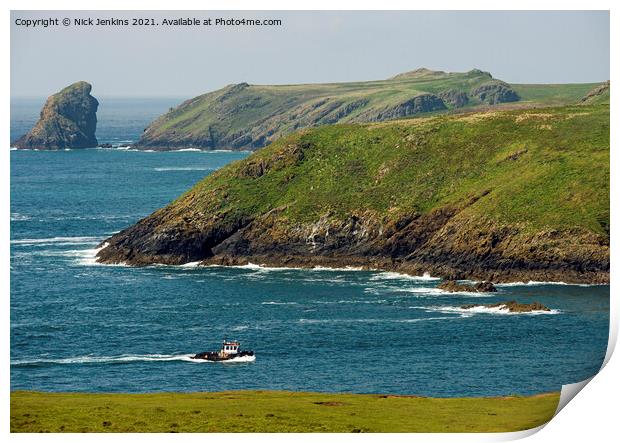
453,286
68,120
512,306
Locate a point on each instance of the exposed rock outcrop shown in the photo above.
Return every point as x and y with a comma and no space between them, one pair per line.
416,105
512,306
601,92
453,286
454,98
495,92
68,120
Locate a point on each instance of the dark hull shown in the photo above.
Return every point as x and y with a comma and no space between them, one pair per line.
216,356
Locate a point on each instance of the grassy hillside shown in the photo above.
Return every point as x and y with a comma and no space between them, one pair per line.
503,195
538,166
273,411
251,116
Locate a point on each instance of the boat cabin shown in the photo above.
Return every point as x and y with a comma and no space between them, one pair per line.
230,347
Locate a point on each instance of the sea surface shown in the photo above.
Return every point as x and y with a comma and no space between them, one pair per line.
80,326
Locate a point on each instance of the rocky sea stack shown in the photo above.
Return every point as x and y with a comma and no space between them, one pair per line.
68,120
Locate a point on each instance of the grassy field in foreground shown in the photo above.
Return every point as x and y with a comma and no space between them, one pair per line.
273,411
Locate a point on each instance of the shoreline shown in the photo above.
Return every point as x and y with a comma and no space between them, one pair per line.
274,411
430,272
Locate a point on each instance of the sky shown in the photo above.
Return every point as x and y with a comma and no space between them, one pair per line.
309,47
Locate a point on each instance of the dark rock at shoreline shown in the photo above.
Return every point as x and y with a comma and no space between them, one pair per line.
512,306
453,286
68,120
485,286
105,145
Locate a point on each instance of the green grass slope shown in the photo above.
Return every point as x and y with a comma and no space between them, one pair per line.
273,411
503,195
251,116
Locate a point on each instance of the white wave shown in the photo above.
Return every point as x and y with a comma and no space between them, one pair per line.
88,257
16,216
541,283
498,310
279,303
193,264
250,266
255,267
188,168
188,150
346,268
14,149
124,358
56,240
370,320
398,276
353,302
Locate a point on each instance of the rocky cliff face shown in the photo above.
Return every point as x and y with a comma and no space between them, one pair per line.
495,92
417,105
68,120
244,116
459,197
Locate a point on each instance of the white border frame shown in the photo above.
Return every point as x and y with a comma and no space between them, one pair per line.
591,417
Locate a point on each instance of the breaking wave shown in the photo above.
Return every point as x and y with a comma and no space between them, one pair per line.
398,276
497,310
16,216
279,303
370,320
59,241
544,283
346,268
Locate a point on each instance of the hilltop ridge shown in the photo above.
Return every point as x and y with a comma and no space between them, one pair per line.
245,116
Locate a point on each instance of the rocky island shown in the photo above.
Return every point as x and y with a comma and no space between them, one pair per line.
68,120
511,195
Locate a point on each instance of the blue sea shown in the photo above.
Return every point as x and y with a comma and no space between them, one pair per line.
80,326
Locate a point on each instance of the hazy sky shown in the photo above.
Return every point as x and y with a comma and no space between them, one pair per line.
310,47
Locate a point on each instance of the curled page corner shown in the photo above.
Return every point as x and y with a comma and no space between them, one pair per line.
569,392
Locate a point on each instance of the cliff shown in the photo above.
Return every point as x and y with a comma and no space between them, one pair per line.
244,116
500,196
68,120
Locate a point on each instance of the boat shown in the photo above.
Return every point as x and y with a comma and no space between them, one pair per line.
230,352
